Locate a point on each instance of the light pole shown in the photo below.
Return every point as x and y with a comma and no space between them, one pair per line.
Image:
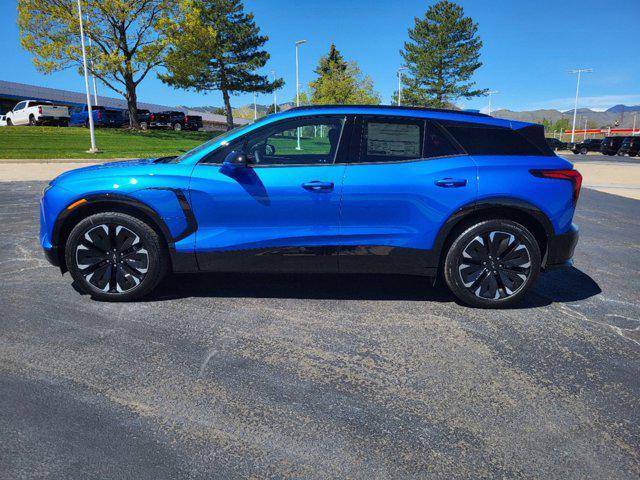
585,129
298,43
400,70
579,71
255,107
275,103
93,148
633,130
93,77
491,93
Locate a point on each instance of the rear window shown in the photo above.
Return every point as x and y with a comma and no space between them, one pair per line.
479,139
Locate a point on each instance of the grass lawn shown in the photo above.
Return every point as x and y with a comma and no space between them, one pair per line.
68,142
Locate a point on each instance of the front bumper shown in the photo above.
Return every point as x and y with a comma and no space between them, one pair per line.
560,248
51,254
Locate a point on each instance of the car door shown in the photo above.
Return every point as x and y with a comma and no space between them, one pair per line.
18,115
281,211
405,178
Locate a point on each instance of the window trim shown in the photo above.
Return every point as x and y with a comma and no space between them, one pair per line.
345,134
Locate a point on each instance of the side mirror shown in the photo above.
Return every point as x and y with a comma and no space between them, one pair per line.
236,159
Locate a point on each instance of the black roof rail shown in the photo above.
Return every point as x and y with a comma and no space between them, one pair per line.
393,107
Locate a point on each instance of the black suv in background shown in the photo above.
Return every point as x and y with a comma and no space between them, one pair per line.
588,145
175,120
143,118
611,145
630,146
555,144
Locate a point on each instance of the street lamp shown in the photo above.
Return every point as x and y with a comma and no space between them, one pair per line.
579,71
298,43
93,148
400,70
490,93
275,103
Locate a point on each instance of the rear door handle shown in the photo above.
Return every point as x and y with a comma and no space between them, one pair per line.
451,182
318,186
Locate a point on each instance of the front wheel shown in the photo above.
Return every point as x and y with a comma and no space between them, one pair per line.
177,127
492,264
115,257
583,151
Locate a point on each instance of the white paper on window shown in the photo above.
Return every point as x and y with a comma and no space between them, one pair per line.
393,139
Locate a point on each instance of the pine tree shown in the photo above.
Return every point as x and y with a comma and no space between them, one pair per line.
341,82
441,56
215,45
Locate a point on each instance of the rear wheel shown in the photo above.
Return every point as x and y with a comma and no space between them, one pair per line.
492,264
177,127
583,151
144,126
115,257
32,121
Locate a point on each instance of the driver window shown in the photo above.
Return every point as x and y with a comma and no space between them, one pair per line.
306,141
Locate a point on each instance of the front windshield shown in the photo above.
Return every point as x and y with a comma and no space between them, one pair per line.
208,143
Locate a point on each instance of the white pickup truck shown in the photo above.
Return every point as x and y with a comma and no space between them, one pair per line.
36,112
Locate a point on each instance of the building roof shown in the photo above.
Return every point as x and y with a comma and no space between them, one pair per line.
23,91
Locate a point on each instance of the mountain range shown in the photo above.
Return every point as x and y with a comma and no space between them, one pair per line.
623,114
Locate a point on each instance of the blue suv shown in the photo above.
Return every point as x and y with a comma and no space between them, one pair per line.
480,202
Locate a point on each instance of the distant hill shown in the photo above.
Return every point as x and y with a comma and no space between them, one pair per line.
244,111
621,113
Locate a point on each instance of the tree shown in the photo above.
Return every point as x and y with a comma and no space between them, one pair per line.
441,56
214,45
341,82
126,44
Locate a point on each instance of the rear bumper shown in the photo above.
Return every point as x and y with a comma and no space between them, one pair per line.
560,248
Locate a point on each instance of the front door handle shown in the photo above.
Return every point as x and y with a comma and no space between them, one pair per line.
318,186
451,182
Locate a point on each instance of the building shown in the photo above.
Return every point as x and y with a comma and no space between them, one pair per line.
12,93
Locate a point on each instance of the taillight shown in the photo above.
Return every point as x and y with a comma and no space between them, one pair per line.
151,117
40,110
99,114
572,175
186,119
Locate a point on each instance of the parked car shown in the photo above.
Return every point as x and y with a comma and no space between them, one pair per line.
37,112
356,194
630,146
556,144
144,118
611,145
102,117
3,120
175,120
588,145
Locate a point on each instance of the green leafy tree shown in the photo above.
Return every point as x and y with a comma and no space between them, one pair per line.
126,44
441,56
341,82
561,125
215,45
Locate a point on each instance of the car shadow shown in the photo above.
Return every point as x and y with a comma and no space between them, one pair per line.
565,285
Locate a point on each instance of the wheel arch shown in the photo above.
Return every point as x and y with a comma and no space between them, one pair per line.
517,210
106,203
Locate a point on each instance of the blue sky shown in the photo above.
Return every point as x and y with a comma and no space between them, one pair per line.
529,46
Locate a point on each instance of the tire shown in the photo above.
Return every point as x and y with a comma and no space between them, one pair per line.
136,266
32,121
9,122
177,127
144,126
498,277
633,154
583,151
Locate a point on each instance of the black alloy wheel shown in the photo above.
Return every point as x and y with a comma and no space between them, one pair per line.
492,264
116,257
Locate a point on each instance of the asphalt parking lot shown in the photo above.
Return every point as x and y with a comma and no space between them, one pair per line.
255,376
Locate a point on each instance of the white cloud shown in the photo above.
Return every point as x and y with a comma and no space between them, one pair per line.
600,103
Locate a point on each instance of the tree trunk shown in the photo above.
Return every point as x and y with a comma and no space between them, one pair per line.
132,104
227,109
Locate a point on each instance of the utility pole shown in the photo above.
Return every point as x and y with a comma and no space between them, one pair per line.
298,43
491,93
579,71
400,70
93,148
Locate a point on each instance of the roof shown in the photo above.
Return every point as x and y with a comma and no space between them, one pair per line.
393,107
23,91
